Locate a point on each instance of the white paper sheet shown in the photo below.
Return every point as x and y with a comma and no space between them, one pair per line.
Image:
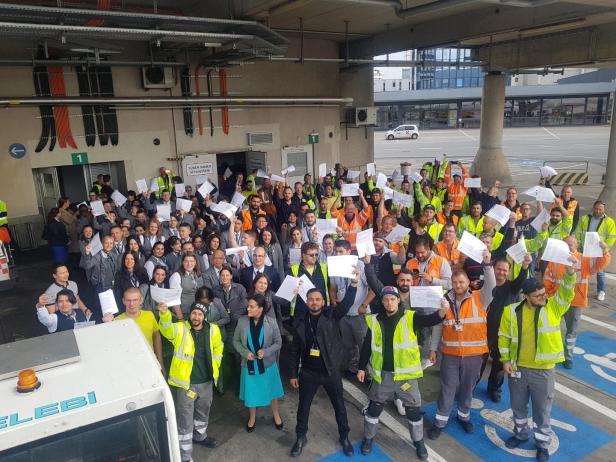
238,199
108,302
341,265
350,190
472,247
289,169
322,170
426,296
416,177
500,213
398,234
170,297
472,182
180,189
96,244
327,225
371,168
236,250
439,158
364,243
183,204
352,174
305,284
295,256
557,251
154,184
225,208
591,245
278,178
545,195
228,173
547,171
261,173
118,198
404,200
540,219
206,188
456,170
388,193
200,179
287,288
142,185
381,181
164,212
518,251
97,208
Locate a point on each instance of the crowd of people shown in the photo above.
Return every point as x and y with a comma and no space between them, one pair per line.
498,310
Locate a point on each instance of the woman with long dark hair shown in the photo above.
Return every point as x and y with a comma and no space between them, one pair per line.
257,340
134,245
157,258
188,278
56,236
130,274
273,250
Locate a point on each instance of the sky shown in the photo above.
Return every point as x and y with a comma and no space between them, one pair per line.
391,72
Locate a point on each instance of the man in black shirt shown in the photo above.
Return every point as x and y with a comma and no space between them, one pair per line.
316,355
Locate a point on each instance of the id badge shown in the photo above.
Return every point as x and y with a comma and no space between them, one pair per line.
405,386
315,352
191,394
516,374
458,327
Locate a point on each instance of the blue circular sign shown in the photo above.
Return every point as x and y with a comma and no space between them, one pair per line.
17,151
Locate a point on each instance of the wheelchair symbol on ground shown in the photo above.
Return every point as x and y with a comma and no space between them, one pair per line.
494,424
594,361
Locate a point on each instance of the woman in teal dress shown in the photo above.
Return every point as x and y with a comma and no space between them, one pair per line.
257,340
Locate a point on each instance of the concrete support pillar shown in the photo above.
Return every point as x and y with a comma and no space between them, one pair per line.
490,163
608,195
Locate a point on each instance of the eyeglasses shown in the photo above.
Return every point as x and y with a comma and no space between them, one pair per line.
312,254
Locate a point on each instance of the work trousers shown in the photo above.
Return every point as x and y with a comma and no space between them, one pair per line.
572,319
309,383
405,390
538,385
192,409
424,337
353,330
459,375
497,375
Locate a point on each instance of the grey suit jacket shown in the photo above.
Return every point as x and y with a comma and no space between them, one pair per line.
210,278
272,342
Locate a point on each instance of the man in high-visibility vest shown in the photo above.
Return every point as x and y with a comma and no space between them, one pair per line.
350,220
464,342
424,196
553,278
598,222
164,180
445,216
433,227
456,192
197,354
391,347
472,223
530,344
567,200
249,215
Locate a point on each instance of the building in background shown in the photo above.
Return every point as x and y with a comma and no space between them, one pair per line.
445,92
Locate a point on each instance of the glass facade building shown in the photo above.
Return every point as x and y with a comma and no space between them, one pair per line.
459,76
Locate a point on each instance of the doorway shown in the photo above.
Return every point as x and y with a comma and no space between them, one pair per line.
301,157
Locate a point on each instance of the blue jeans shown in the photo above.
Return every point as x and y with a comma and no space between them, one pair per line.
601,281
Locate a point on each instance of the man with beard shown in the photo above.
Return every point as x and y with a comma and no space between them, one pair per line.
197,354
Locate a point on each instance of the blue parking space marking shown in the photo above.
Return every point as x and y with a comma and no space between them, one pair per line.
375,456
494,424
613,315
594,361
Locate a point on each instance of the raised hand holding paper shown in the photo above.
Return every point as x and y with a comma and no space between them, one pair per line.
500,213
225,208
97,208
472,247
277,178
206,188
154,184
371,168
164,212
472,182
540,220
180,189
592,248
322,170
381,181
108,302
287,288
398,234
96,245
183,204
142,185
426,296
557,251
170,297
341,265
327,225
350,190
518,251
364,243
238,199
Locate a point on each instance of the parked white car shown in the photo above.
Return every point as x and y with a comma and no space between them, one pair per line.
403,131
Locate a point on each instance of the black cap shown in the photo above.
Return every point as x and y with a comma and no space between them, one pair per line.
530,285
429,206
376,191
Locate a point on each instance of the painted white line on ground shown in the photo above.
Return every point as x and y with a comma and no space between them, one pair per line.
598,323
387,420
437,149
467,135
551,134
582,399
610,276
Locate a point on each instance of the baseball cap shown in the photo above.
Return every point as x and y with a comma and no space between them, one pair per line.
390,290
430,206
530,285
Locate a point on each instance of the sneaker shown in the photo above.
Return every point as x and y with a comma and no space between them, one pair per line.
366,446
434,432
513,442
420,450
400,406
208,442
467,425
568,364
542,455
601,295
495,396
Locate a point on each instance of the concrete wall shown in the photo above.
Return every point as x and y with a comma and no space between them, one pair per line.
138,128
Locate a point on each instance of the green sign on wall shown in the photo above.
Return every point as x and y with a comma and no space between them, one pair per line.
79,158
313,138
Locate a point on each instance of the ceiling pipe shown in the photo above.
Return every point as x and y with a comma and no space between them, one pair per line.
87,62
443,5
173,101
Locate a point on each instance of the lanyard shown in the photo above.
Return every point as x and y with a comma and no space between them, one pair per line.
315,343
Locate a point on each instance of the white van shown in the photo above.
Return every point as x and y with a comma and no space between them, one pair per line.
98,395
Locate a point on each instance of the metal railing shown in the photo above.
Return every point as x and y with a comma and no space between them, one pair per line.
27,236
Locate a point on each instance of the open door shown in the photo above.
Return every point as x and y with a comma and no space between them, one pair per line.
301,157
256,160
48,188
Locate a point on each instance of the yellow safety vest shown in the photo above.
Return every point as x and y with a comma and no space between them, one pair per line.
549,349
295,271
407,359
467,223
4,219
179,335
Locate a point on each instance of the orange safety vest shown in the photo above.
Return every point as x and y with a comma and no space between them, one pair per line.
247,223
449,179
442,250
456,193
570,208
555,273
355,226
472,340
442,219
434,266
